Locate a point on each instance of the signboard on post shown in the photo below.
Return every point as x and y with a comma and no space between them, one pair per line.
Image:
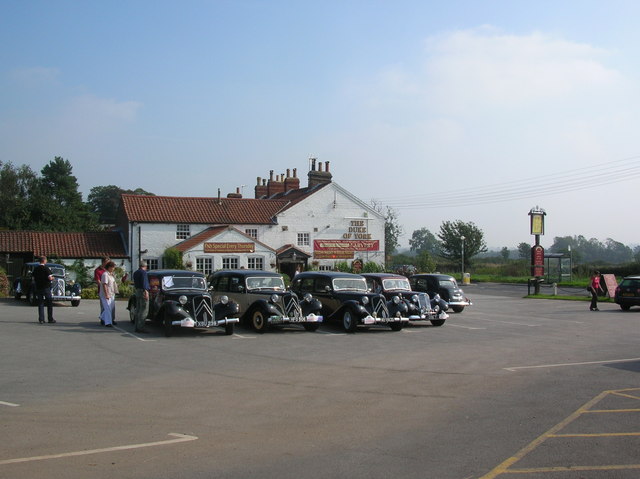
537,261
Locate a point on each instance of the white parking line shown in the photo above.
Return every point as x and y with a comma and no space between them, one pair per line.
179,438
10,404
461,326
611,361
134,335
507,322
236,335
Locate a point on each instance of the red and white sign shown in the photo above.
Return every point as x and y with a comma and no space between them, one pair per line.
346,245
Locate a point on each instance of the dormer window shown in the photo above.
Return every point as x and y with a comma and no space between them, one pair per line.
183,232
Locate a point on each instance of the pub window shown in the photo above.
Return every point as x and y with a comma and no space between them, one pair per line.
230,262
183,231
252,232
204,265
325,267
152,263
303,239
255,262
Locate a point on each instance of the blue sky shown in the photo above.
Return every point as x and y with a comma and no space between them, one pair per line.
492,106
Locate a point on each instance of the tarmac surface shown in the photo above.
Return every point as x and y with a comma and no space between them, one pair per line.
508,388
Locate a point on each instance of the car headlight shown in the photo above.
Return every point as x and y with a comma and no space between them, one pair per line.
224,299
365,300
396,299
307,297
414,298
182,299
274,298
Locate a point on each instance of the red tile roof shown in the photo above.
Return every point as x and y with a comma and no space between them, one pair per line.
64,245
172,209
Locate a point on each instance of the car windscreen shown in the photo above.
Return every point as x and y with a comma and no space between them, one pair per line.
265,282
183,282
350,284
447,284
396,284
630,283
57,270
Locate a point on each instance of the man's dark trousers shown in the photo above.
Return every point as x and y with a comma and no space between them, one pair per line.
44,297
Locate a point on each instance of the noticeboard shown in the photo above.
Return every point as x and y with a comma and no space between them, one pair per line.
611,284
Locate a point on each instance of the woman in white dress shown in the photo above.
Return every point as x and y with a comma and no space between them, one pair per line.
108,290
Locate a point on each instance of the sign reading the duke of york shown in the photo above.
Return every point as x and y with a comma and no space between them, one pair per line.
229,247
346,245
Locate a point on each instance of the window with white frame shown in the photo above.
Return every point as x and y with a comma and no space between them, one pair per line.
325,267
183,231
230,262
204,265
303,239
252,232
152,263
255,262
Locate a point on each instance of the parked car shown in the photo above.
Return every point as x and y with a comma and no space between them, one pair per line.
181,299
346,297
264,301
420,306
628,292
62,288
444,285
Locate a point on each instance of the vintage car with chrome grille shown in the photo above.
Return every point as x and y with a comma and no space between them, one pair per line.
62,288
264,301
181,299
421,307
345,297
443,284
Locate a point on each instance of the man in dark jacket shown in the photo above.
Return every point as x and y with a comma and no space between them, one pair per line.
43,277
141,284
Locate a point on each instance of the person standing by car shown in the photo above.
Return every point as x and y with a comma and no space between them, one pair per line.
97,275
42,276
141,284
108,290
594,288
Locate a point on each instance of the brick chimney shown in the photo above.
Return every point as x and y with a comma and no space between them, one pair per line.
237,194
261,189
276,185
318,177
292,182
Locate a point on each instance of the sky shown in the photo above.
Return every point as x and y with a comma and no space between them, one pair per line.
441,110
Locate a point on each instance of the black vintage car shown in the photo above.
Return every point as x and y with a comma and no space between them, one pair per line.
443,284
345,297
62,289
263,300
180,299
420,305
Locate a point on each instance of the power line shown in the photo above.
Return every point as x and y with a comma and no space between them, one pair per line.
550,184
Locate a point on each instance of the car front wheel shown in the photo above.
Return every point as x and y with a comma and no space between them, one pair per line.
168,327
259,321
311,327
457,309
395,326
132,312
437,322
228,329
349,322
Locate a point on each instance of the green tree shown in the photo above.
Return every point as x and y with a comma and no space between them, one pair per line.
58,203
423,240
425,262
172,259
392,228
17,186
105,200
524,251
451,243
504,253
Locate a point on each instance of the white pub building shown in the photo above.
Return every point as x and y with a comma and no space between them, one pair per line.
283,228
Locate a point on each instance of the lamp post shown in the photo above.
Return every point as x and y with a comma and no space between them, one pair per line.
462,238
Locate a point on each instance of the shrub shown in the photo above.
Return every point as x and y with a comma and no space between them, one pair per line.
4,284
90,292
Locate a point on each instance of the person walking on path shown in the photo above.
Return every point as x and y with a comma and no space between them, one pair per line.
141,284
108,290
594,289
43,277
97,275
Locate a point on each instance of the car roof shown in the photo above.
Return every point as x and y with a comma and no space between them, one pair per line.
433,275
383,275
246,272
327,274
36,263
633,276
167,272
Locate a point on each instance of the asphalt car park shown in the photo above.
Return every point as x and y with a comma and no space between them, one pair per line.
509,388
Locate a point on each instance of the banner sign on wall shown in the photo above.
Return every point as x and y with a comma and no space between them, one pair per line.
229,247
346,245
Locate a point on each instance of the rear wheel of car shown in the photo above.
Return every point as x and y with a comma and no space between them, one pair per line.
437,322
228,329
625,307
166,323
75,302
259,321
311,327
395,326
457,309
349,322
31,297
132,311
18,295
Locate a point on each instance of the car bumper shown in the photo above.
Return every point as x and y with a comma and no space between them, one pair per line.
370,320
309,318
190,323
66,298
